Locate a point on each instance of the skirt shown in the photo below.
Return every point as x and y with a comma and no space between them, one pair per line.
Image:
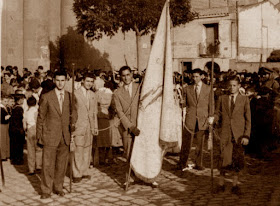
5,141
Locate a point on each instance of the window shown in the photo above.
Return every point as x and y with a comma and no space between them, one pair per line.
212,34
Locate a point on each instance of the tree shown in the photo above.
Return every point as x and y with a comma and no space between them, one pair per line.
72,48
106,17
274,56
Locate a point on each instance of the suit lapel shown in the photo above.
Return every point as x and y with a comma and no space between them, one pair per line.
82,96
226,104
237,102
65,101
125,94
193,93
134,89
202,92
55,101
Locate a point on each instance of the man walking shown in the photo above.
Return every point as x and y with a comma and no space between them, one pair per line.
86,127
197,105
53,133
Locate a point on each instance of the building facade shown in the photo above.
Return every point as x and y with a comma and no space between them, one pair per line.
245,33
27,27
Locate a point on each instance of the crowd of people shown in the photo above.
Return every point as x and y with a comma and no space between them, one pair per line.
37,107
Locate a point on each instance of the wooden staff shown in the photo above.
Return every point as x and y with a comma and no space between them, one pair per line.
2,170
211,115
72,143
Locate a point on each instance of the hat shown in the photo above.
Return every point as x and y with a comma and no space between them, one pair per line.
34,84
267,70
18,94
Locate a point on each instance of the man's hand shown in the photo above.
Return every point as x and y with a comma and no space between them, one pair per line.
72,127
134,130
39,144
7,117
95,132
211,120
244,141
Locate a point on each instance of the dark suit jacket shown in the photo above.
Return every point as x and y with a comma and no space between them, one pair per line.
126,106
238,123
197,110
51,123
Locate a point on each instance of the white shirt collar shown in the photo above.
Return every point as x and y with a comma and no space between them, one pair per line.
58,92
199,84
129,88
234,97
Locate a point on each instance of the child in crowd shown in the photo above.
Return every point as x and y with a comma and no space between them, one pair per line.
4,139
16,131
34,153
233,111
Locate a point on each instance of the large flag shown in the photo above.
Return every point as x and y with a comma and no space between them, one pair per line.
157,114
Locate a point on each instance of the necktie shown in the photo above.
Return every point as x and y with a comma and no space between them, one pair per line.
231,103
196,92
61,101
127,89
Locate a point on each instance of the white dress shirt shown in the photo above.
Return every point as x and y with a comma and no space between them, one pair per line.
129,88
58,94
198,87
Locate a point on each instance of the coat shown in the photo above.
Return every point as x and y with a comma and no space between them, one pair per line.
126,106
237,124
197,110
51,123
86,116
233,125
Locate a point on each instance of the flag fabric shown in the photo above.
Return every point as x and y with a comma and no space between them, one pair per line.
157,110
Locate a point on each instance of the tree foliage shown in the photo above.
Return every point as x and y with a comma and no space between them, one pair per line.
99,17
72,48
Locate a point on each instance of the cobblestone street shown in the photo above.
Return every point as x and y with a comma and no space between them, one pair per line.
260,184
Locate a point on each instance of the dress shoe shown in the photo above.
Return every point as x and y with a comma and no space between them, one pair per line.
45,196
219,188
31,173
88,177
154,184
131,181
236,190
59,193
77,179
197,167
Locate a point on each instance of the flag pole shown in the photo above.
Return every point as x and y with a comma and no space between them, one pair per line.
72,147
213,50
211,115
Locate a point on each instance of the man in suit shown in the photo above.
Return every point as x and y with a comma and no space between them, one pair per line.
126,99
53,133
197,103
234,113
85,128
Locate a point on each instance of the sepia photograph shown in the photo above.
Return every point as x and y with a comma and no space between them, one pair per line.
140,102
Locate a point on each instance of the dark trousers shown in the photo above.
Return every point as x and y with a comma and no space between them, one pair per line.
16,147
55,160
187,141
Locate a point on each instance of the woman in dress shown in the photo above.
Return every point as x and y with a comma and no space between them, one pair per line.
5,139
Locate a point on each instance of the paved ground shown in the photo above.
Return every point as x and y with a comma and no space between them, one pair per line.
260,183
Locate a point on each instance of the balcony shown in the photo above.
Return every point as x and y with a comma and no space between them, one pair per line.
207,51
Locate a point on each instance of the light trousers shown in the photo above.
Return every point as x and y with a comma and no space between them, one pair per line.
34,153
